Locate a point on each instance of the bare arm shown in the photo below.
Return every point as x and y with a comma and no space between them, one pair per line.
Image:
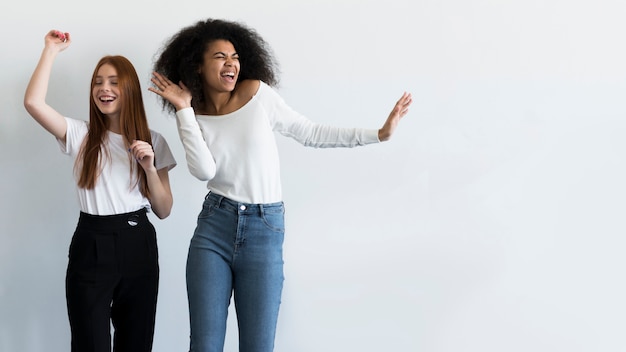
161,198
35,96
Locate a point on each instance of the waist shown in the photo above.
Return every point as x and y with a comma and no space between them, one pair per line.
222,202
113,222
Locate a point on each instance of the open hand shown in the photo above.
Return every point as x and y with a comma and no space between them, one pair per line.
399,110
177,94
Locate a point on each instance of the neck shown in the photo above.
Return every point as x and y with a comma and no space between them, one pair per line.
216,102
114,124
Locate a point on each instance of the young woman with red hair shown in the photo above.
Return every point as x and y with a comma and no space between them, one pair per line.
121,169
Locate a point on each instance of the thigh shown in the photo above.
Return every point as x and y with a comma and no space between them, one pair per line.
89,287
133,309
259,280
209,280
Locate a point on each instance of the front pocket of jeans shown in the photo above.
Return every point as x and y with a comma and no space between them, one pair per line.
274,221
207,211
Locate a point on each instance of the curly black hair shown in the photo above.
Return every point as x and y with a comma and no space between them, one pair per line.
183,53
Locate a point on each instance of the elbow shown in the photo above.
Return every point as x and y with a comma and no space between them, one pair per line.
29,105
162,211
162,214
202,174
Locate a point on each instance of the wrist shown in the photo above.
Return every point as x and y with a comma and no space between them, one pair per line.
383,135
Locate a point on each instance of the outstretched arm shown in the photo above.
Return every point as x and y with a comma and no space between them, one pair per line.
35,96
399,110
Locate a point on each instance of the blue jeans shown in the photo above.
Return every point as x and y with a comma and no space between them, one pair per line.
236,249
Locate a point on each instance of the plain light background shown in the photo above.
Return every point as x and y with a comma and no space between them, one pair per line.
492,221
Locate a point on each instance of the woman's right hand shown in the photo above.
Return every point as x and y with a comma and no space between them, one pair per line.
57,40
177,94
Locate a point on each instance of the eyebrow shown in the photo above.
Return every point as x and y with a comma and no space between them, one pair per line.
223,53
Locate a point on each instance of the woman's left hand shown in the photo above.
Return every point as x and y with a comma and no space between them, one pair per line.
399,110
144,154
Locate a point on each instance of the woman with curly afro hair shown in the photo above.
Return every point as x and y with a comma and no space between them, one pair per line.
217,77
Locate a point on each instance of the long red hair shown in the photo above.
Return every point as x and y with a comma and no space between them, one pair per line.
133,125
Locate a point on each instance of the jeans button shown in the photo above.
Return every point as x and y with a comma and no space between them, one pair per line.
243,207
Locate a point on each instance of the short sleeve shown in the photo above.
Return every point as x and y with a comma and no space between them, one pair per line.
74,136
163,157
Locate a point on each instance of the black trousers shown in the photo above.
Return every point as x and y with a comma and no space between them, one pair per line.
112,277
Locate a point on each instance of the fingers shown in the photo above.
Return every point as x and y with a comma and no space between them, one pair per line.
160,81
406,99
163,85
57,36
402,106
60,35
140,150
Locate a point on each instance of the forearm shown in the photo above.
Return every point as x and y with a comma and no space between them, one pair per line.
38,86
321,136
199,158
161,198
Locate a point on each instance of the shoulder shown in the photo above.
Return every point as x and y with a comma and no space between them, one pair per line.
157,137
159,143
247,89
77,126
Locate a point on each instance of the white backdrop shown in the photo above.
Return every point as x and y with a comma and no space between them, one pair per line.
492,221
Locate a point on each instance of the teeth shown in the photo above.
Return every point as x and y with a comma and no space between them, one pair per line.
230,74
107,98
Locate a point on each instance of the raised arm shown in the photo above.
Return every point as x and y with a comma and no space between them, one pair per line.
199,158
35,96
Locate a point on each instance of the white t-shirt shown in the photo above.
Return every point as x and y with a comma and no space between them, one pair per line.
115,191
237,153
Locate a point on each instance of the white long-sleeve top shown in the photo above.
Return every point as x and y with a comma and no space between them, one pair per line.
237,153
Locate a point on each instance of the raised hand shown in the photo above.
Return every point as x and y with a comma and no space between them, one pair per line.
57,40
177,94
399,111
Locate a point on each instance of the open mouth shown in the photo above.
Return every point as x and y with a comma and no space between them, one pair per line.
230,76
106,98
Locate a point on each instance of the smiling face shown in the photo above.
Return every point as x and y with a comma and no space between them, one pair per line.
220,67
105,91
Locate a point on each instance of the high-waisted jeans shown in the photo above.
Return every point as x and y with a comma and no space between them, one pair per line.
112,277
236,249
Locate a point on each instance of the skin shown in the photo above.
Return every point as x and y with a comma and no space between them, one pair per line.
223,95
106,86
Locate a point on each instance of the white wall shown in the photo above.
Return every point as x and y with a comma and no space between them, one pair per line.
493,221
